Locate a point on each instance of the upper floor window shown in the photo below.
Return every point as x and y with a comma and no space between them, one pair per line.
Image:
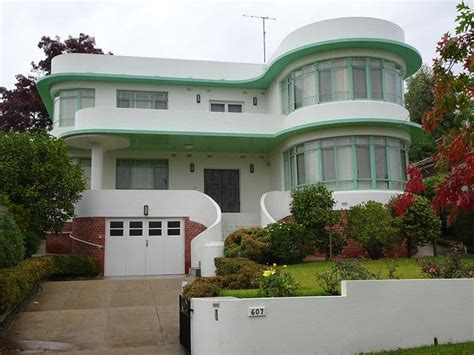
142,174
348,163
342,79
142,99
226,107
67,102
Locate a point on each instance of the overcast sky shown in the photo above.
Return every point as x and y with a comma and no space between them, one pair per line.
204,30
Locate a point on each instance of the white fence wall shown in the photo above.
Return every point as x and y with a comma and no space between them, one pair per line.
369,316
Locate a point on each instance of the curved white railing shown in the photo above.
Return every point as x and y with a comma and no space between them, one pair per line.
274,205
162,203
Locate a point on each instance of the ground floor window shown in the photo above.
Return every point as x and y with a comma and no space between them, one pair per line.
142,174
347,163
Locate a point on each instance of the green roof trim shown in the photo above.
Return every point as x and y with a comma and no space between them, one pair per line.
411,56
239,142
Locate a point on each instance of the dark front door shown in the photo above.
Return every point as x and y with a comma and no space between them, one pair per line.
224,187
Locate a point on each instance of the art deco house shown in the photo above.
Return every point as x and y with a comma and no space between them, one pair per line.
178,153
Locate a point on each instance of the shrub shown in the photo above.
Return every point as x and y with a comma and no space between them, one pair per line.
203,287
18,283
464,229
290,242
373,227
237,273
273,283
12,248
252,243
312,207
451,267
420,224
330,280
73,266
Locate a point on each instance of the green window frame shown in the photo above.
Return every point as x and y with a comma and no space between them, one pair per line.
142,174
155,100
347,163
340,79
67,102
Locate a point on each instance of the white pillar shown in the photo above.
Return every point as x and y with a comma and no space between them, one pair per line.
97,166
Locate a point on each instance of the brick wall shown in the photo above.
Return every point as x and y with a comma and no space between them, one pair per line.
60,243
191,230
91,230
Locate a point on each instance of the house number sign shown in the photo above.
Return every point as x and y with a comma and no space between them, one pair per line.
257,311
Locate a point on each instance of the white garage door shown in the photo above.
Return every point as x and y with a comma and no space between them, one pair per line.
144,247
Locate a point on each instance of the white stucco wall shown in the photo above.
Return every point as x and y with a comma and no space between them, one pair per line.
369,316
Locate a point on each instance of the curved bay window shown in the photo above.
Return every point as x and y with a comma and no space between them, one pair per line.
358,78
348,163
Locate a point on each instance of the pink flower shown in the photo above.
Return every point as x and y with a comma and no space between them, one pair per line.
432,270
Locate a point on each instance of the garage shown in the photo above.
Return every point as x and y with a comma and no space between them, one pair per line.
144,247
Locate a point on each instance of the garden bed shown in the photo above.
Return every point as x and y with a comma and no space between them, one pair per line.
305,273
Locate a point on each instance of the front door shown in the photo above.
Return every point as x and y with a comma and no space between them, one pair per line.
224,188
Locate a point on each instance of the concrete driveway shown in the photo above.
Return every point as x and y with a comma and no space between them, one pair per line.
116,316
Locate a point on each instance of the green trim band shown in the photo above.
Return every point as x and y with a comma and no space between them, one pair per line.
258,142
411,56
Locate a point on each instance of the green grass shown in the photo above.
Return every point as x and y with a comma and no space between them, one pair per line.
305,273
447,349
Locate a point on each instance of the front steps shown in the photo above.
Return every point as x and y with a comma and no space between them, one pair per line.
233,221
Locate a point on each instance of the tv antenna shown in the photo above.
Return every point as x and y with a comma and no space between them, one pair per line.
263,22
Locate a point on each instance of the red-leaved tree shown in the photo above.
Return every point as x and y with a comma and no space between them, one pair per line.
21,108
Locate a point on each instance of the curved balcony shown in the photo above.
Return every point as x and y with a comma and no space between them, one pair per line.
179,203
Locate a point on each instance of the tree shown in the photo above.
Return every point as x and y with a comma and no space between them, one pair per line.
40,183
312,207
453,72
21,108
419,95
373,227
419,224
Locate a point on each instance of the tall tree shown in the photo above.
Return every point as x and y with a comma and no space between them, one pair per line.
21,108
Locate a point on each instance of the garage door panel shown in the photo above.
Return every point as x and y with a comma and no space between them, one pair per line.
174,246
155,251
136,244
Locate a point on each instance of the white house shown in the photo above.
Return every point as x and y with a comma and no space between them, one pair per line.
180,152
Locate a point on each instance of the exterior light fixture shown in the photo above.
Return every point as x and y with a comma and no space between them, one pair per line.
145,210
198,98
255,101
189,146
191,167
252,168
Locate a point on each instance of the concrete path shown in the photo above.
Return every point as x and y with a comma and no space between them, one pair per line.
110,316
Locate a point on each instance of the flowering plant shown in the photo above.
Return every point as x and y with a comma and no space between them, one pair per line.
273,283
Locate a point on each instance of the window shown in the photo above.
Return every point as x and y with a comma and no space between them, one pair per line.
174,227
342,79
142,99
346,163
135,229
67,102
116,228
154,228
85,165
142,174
226,107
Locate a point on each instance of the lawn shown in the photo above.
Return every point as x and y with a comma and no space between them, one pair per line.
447,349
305,275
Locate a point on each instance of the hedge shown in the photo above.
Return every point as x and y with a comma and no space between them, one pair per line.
18,283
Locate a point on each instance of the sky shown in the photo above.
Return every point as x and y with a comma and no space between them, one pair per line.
202,30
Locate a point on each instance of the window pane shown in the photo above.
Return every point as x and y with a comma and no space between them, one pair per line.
300,168
123,177
344,163
404,165
154,232
124,103
161,105
87,102
174,232
381,163
395,164
142,103
161,177
68,110
390,85
360,82
298,92
284,97
116,232
286,167
311,164
217,107
363,163
154,224
173,224
329,168
325,85
293,171
376,81
309,85
341,88
142,177
234,108
116,224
